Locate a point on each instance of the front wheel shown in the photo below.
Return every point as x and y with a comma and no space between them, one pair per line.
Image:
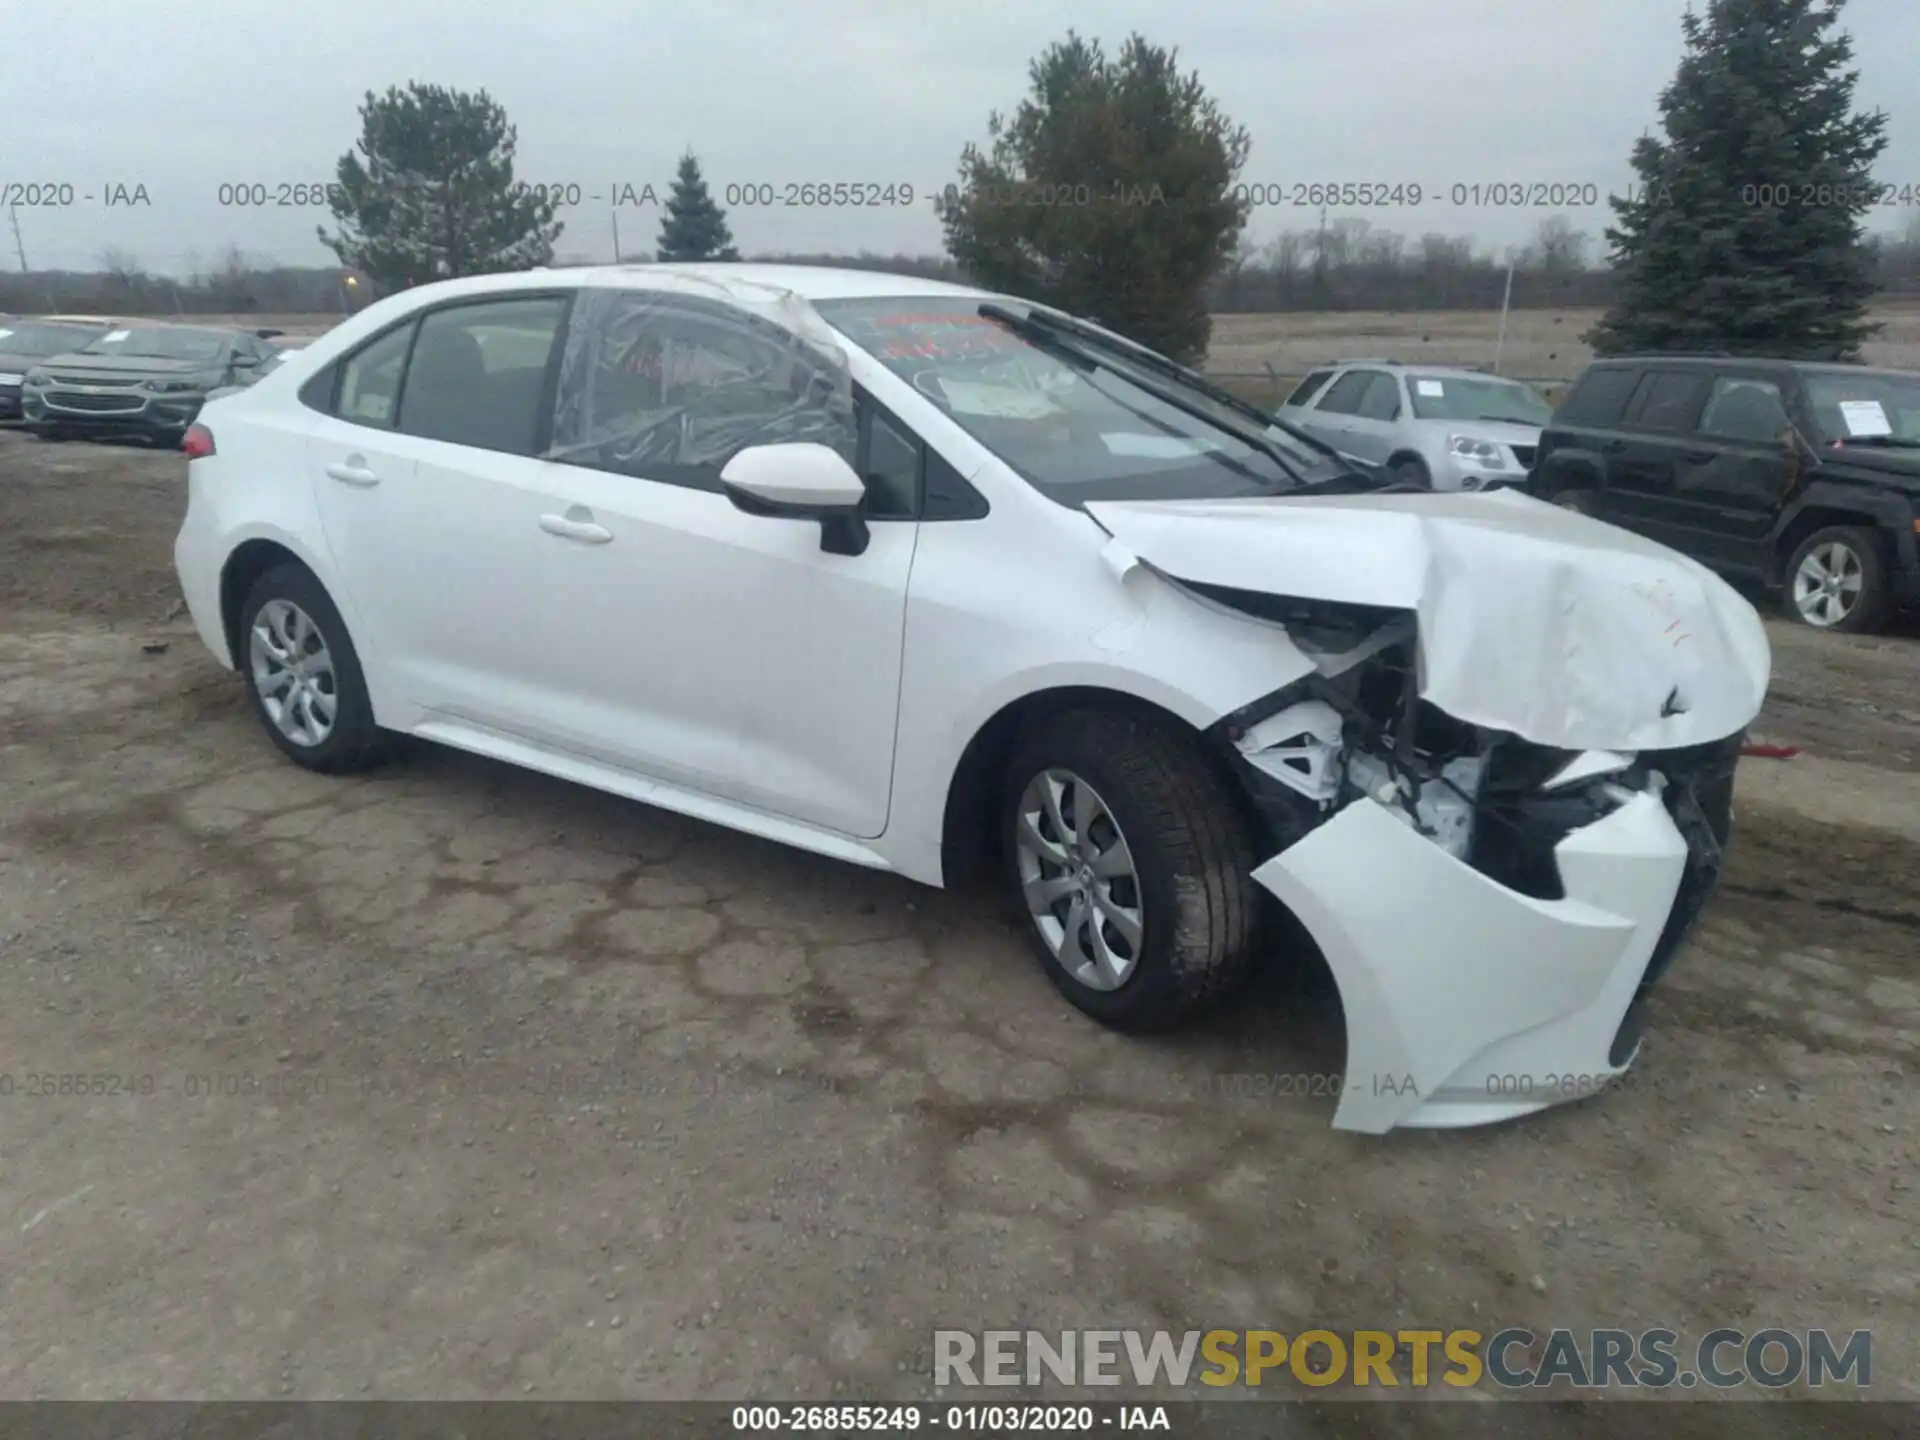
1411,470
303,674
1837,580
1131,863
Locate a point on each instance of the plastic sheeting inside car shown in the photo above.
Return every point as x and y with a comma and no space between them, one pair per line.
688,371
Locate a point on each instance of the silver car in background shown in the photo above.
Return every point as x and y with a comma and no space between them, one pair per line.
1436,426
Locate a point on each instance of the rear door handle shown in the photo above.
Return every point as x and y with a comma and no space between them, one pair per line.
1699,457
353,471
572,527
1614,447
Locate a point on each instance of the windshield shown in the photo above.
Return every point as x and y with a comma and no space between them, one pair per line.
37,338
1075,432
1473,397
160,342
1855,407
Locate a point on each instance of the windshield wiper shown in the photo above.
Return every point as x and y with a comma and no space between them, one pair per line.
1895,442
1067,339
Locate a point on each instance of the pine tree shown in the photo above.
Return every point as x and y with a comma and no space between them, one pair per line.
1743,232
1108,193
435,196
694,228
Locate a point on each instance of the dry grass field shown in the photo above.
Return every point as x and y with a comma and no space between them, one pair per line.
1541,345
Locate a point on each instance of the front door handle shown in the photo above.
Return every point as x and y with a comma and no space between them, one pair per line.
572,526
353,471
1699,457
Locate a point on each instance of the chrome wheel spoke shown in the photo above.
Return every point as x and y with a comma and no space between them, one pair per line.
293,676
1030,837
1114,861
1122,918
1044,894
1052,791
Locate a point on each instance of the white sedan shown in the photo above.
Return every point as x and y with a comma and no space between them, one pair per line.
911,574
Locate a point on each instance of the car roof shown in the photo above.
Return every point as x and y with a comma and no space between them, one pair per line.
1824,367
809,282
1402,367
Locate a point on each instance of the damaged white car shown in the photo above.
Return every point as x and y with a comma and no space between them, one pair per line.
908,573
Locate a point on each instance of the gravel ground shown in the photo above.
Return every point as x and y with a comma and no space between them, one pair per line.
469,1083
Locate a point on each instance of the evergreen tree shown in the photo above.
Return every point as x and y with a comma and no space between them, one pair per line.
694,227
435,196
1109,194
1743,231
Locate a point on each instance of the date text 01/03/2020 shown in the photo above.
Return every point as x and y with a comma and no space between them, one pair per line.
955,1419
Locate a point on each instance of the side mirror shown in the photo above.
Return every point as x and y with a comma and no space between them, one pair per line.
801,481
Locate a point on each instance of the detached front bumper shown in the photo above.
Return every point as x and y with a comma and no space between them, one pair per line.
1466,1001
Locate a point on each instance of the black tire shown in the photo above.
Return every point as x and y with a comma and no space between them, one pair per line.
1192,852
43,431
1875,597
354,742
1412,470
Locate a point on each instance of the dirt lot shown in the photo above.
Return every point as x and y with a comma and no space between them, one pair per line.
572,1097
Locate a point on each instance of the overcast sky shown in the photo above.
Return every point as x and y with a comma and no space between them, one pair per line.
183,96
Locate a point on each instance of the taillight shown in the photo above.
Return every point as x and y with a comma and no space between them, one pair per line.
198,443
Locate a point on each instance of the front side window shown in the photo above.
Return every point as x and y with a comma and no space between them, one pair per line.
370,379
670,387
1382,398
890,466
1346,394
1475,397
478,373
1075,428
1309,387
1739,409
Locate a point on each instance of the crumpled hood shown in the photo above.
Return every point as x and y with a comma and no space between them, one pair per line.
1533,619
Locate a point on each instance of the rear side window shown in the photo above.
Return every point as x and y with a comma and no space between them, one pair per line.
370,380
478,375
1600,397
1309,387
1667,400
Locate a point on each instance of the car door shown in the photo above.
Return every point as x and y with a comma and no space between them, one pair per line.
1643,460
1334,417
1375,425
1730,483
428,483
690,640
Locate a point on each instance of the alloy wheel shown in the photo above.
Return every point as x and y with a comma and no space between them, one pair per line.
1827,586
1078,875
293,673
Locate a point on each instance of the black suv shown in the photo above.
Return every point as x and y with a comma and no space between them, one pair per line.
1798,475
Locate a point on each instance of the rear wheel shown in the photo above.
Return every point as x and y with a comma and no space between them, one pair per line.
1580,501
303,675
1132,865
1837,580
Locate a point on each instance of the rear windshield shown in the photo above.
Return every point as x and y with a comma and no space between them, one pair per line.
1600,397
38,338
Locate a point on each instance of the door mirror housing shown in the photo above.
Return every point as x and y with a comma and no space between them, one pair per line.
801,481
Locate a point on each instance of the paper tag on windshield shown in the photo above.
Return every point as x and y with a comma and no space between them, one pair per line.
115,338
1865,417
1429,387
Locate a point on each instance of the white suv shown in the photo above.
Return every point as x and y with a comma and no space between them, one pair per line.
1435,427
904,572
